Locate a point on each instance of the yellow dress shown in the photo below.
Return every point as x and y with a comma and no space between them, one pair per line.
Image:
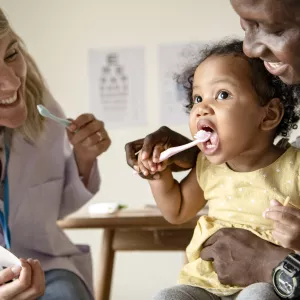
237,200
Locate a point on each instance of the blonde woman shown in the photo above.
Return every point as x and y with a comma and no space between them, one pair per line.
42,180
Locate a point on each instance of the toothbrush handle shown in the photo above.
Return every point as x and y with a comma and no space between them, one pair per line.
174,150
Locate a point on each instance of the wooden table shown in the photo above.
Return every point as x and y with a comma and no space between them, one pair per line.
130,230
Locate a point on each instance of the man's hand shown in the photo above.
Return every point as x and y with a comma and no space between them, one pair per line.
154,143
286,225
241,258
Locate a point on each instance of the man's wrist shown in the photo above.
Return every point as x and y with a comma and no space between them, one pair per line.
185,161
274,259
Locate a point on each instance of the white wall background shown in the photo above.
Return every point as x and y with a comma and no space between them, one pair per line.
58,34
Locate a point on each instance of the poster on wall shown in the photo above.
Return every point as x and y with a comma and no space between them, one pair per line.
117,86
171,59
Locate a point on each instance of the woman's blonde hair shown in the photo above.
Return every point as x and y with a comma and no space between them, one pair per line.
34,86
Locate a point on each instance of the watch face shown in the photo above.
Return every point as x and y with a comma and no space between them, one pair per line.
284,283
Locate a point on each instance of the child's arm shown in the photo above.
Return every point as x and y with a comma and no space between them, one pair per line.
178,202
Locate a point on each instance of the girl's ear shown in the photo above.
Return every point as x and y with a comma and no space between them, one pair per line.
273,115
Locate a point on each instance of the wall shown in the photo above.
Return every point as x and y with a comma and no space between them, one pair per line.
59,33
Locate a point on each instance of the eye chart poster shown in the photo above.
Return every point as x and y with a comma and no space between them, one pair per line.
117,86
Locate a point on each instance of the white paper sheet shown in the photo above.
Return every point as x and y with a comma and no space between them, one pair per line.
7,259
117,86
172,58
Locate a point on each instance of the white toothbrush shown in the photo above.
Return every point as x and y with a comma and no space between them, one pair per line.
47,114
200,137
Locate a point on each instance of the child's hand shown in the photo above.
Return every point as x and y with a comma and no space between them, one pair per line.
286,227
151,166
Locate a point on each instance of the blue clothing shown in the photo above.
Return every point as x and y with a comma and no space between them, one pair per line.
65,285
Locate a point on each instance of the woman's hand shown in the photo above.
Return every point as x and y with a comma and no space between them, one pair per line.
89,139
22,283
153,144
286,225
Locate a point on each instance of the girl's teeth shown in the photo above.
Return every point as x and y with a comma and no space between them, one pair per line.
210,146
9,100
275,64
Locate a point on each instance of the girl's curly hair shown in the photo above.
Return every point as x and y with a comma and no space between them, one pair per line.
266,85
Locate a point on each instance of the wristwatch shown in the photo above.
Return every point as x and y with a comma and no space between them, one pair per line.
286,277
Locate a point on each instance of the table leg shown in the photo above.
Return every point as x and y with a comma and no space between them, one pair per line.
106,266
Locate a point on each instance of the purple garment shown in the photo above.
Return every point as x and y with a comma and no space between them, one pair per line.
45,186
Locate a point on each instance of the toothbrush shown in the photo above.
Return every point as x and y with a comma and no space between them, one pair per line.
200,137
43,111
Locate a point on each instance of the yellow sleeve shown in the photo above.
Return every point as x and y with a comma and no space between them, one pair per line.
201,166
295,201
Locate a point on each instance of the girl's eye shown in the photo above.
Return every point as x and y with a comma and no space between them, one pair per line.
197,99
222,95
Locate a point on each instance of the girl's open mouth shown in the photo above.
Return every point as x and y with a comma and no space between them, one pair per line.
211,145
